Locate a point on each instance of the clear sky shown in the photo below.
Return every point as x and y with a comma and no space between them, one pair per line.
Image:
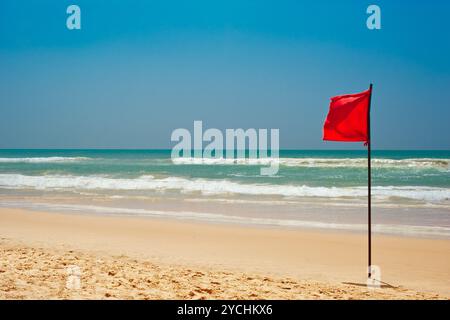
139,69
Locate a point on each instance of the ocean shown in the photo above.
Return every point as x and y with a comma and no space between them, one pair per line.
313,189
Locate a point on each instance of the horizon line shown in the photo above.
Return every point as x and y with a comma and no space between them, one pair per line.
168,149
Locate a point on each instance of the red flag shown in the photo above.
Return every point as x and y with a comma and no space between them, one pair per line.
347,117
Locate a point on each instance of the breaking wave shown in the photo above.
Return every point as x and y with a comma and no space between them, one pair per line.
321,162
43,159
215,187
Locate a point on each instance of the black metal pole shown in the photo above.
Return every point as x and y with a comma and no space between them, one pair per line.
369,186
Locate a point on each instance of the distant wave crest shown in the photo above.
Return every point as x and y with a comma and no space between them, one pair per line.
215,187
43,159
321,162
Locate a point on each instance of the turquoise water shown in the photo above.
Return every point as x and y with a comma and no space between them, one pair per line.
417,182
319,168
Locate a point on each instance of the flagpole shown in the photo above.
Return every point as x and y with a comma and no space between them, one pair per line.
369,186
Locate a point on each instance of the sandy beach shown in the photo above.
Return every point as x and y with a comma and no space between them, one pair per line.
137,258
224,150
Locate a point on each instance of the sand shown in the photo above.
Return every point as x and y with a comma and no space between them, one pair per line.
44,254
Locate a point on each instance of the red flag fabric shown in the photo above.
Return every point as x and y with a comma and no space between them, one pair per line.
347,117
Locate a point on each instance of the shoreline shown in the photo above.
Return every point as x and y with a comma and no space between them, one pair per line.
250,215
327,258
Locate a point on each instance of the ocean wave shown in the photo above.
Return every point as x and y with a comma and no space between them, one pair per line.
411,230
43,159
216,187
321,162
224,161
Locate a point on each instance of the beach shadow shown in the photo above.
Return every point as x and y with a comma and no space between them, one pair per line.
384,285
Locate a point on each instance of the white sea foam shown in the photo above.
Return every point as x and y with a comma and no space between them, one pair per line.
215,187
43,159
412,230
321,162
224,161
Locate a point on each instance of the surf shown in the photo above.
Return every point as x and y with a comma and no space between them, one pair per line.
43,159
215,187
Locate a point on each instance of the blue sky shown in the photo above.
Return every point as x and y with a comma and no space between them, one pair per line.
139,69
